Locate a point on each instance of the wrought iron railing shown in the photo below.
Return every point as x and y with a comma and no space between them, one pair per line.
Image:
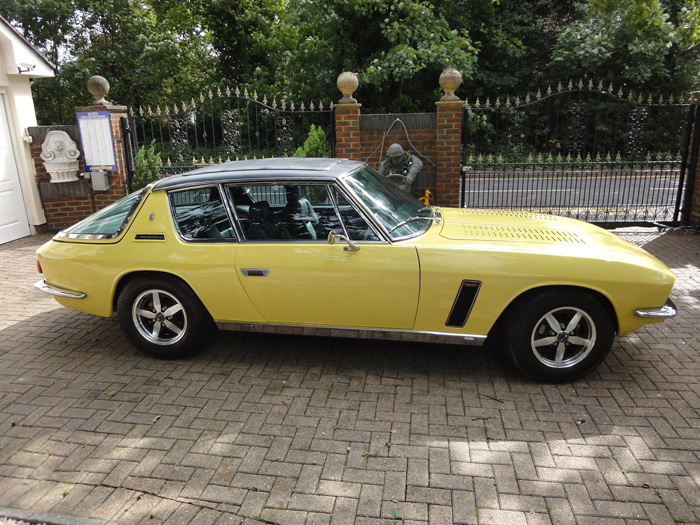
595,190
585,152
228,125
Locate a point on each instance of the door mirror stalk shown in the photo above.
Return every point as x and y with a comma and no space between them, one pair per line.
334,237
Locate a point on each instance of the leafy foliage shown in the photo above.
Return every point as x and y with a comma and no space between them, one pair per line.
513,40
315,144
632,43
397,49
146,167
146,60
162,52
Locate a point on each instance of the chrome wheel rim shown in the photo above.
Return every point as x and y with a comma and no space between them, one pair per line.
563,337
159,317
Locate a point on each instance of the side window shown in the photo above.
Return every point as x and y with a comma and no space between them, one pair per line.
284,211
200,215
356,226
296,212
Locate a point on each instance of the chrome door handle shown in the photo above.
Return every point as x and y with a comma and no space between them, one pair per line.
255,272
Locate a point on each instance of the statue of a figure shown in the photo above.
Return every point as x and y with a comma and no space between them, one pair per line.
400,167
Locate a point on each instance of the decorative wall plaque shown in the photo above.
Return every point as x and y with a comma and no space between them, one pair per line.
60,153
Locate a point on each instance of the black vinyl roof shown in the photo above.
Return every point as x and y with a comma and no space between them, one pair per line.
289,168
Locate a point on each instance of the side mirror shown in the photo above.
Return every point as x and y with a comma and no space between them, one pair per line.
334,237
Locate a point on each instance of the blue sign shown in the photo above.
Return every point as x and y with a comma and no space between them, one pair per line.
98,141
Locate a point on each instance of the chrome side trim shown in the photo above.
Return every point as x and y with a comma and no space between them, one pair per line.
357,333
60,292
665,312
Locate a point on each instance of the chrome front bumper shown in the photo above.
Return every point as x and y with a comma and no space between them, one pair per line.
665,312
60,292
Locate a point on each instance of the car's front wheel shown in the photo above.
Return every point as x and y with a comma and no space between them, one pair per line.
163,317
558,334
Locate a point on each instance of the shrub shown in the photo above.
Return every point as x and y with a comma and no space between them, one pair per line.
315,145
146,167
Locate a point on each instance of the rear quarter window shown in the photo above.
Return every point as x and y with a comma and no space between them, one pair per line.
108,222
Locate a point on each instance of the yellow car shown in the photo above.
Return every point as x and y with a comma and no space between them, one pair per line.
330,247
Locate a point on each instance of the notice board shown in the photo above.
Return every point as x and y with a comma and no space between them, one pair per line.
98,141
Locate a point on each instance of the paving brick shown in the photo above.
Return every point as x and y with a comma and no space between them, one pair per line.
281,492
405,510
257,427
560,511
344,512
311,503
284,517
370,503
339,489
618,509
502,517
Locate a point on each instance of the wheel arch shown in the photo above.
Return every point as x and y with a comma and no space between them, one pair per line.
524,296
138,274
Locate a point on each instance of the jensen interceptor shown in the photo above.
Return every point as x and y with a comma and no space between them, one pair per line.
331,247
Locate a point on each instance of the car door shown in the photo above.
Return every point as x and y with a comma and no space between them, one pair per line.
296,277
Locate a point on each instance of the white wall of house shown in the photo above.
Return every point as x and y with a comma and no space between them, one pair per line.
20,203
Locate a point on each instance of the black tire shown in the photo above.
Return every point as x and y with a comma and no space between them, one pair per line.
558,335
163,317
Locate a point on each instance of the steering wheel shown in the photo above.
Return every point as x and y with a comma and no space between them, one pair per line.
396,178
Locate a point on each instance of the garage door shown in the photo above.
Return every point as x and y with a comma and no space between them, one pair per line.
13,217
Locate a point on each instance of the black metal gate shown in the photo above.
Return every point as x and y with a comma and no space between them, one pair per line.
226,126
589,153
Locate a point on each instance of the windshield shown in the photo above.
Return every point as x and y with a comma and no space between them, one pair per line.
106,223
388,204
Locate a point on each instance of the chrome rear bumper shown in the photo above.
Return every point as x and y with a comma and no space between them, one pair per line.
60,292
665,312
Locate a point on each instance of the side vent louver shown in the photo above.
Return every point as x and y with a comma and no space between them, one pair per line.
464,301
149,237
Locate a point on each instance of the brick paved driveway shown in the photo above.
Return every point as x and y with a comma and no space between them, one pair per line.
273,429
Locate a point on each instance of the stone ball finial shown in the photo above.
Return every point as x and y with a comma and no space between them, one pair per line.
450,80
99,87
347,84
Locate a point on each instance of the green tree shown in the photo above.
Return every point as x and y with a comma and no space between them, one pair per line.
513,39
146,60
160,52
242,33
397,49
633,43
48,24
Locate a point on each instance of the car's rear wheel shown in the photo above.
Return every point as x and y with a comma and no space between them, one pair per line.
558,335
163,317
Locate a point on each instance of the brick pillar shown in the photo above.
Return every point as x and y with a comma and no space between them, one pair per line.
448,136
347,119
347,131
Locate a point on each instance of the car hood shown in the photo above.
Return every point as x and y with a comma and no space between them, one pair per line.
538,231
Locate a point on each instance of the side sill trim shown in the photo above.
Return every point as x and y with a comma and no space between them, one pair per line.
665,312
357,333
60,292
